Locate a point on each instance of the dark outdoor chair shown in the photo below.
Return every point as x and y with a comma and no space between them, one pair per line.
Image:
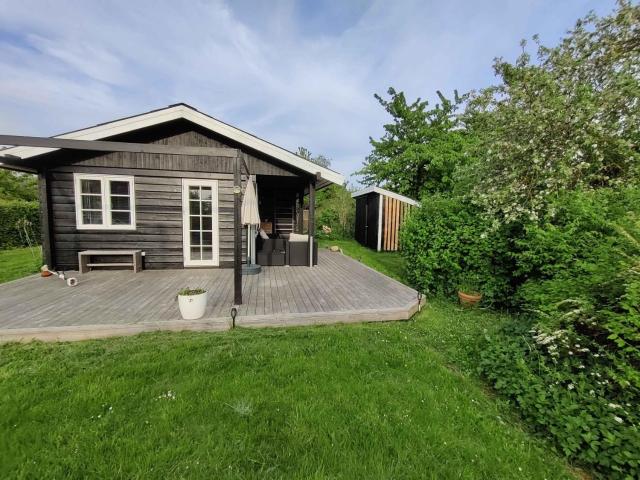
298,252
272,251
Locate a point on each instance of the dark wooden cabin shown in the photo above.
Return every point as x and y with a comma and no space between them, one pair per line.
178,209
379,215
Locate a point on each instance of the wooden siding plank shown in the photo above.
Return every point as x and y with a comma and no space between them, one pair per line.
395,223
390,224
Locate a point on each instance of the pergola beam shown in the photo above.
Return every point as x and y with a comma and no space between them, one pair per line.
108,146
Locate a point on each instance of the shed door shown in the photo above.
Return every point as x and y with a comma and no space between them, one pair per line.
200,238
373,207
361,220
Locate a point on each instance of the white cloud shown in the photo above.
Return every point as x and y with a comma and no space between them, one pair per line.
293,76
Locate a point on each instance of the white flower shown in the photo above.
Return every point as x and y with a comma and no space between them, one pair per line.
617,419
570,386
614,405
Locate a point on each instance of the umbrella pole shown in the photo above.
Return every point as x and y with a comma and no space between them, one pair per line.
249,245
250,268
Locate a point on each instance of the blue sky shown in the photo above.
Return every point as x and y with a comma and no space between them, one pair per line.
295,73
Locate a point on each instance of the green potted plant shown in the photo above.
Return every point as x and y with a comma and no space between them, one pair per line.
469,291
192,303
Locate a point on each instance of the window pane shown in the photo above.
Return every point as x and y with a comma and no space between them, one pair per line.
206,238
206,208
119,188
90,186
120,203
194,208
194,193
195,253
195,238
91,218
92,202
206,223
120,218
207,253
206,193
195,223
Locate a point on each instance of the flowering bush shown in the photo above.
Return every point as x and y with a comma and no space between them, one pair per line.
573,371
542,210
583,270
570,392
568,119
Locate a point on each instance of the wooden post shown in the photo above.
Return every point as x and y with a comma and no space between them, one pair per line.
45,219
237,233
312,218
299,211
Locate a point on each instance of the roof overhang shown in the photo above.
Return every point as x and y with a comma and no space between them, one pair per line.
186,112
386,193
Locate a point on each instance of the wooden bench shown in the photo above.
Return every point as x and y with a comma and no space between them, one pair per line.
84,259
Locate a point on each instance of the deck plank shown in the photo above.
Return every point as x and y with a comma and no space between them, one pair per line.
108,302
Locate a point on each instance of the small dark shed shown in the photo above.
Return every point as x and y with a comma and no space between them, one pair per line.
379,214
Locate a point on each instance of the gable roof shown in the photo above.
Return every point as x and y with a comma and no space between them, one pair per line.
186,112
386,193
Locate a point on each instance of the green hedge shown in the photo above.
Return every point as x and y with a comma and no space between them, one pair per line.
448,244
570,362
15,217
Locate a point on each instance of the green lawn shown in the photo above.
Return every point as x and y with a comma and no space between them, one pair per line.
389,263
19,262
382,400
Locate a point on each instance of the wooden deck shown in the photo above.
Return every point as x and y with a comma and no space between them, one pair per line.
112,303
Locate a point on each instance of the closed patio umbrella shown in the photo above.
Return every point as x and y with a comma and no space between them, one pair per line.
250,217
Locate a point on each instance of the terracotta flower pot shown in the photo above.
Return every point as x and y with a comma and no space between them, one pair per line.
45,273
469,299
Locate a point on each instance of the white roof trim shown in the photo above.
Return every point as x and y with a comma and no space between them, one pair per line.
386,193
184,112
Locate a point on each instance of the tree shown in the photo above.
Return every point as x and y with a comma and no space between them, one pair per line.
318,159
336,209
567,121
18,186
420,149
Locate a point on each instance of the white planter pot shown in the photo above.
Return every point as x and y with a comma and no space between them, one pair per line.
192,307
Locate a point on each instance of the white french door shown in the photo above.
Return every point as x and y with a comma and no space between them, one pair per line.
200,223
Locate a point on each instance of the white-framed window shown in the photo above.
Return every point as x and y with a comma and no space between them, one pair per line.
104,202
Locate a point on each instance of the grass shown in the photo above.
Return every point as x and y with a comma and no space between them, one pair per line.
389,263
386,400
19,262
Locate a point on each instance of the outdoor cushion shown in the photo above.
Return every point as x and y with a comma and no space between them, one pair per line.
297,237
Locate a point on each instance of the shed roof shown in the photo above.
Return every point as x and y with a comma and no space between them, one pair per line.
386,193
187,112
